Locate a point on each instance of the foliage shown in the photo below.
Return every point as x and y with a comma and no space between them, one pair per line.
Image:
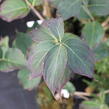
97,103
48,51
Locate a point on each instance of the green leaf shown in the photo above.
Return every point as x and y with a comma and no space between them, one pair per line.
54,68
50,30
93,105
80,57
101,51
70,87
12,60
93,7
93,33
85,13
27,83
35,2
69,8
36,57
22,41
13,9
99,7
90,105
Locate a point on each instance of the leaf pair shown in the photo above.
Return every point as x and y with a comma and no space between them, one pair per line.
14,9
81,8
55,51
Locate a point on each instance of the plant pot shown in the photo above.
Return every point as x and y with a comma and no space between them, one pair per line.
13,96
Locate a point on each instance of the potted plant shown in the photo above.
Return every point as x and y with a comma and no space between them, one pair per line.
48,52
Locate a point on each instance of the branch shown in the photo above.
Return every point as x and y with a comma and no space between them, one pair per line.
34,10
82,94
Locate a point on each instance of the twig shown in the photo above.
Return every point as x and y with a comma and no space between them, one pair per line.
34,10
85,95
106,92
105,24
82,94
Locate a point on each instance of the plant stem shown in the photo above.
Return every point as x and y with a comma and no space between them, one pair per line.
34,10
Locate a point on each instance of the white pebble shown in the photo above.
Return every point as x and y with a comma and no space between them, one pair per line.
65,93
30,24
39,22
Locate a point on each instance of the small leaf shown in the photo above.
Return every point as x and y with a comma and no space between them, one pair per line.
36,57
70,87
23,42
102,51
12,60
80,57
50,30
23,76
54,69
69,8
93,33
13,9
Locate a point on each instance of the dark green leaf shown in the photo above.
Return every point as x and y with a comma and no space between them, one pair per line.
54,68
80,57
69,8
